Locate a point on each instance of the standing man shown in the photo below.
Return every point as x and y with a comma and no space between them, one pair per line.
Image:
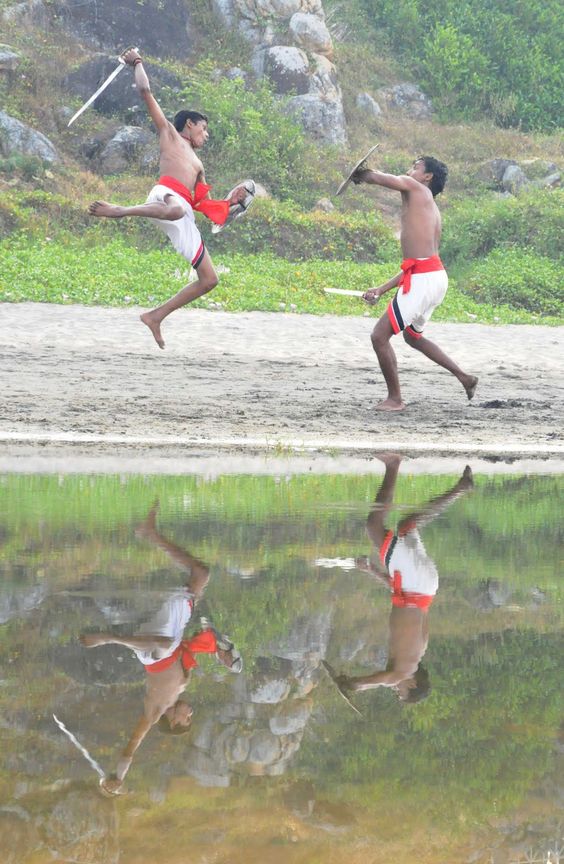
181,189
400,562
422,282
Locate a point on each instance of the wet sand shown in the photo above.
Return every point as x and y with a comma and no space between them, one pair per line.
94,378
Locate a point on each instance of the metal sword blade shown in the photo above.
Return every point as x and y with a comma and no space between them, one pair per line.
100,89
345,292
92,762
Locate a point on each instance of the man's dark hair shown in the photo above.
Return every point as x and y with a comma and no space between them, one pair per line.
164,726
182,117
439,171
422,686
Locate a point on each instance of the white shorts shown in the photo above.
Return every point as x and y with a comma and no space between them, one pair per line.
418,572
412,311
170,621
182,233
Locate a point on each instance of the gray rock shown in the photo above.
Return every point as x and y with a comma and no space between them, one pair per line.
514,179
205,770
225,11
237,749
365,102
235,72
288,69
111,24
492,171
123,149
16,137
409,99
9,58
311,34
324,79
30,11
552,180
325,205
323,119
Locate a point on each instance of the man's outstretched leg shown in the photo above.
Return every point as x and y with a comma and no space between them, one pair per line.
437,355
380,337
206,281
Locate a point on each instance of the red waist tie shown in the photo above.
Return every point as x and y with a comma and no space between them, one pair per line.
217,211
410,266
403,598
202,643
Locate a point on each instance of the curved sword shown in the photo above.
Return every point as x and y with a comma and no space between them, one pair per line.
100,89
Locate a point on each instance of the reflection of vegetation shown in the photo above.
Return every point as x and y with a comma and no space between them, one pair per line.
480,742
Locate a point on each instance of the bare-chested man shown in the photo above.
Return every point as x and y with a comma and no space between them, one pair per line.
167,658
181,189
422,282
400,562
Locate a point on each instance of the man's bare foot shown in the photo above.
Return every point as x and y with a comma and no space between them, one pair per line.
467,479
470,383
390,460
102,208
92,640
390,405
154,327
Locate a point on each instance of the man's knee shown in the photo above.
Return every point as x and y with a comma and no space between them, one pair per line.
379,338
172,212
209,281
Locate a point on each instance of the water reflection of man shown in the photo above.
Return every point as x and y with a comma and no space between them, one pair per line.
167,657
400,562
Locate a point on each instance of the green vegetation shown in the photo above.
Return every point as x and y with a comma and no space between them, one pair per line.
502,57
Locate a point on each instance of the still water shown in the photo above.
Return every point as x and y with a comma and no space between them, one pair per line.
400,696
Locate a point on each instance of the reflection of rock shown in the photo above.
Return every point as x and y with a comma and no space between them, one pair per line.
82,829
17,138
16,601
206,770
107,664
270,691
291,717
18,837
308,638
9,58
264,748
492,594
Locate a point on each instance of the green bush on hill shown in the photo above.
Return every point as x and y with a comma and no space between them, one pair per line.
249,136
519,279
502,57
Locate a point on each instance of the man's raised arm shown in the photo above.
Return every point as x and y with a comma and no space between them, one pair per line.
133,58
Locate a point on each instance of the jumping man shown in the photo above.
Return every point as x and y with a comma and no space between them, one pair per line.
181,189
422,282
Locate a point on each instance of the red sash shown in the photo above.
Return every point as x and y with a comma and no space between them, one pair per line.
410,266
217,211
403,598
202,643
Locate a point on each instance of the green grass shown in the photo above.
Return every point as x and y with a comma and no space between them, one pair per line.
80,270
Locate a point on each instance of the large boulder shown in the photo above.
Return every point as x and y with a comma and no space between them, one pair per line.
514,179
9,58
17,138
368,105
288,69
323,119
409,99
121,97
121,150
112,25
311,34
492,171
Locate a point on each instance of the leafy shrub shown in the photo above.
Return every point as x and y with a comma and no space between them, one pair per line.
518,278
499,56
22,165
249,136
283,229
473,228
